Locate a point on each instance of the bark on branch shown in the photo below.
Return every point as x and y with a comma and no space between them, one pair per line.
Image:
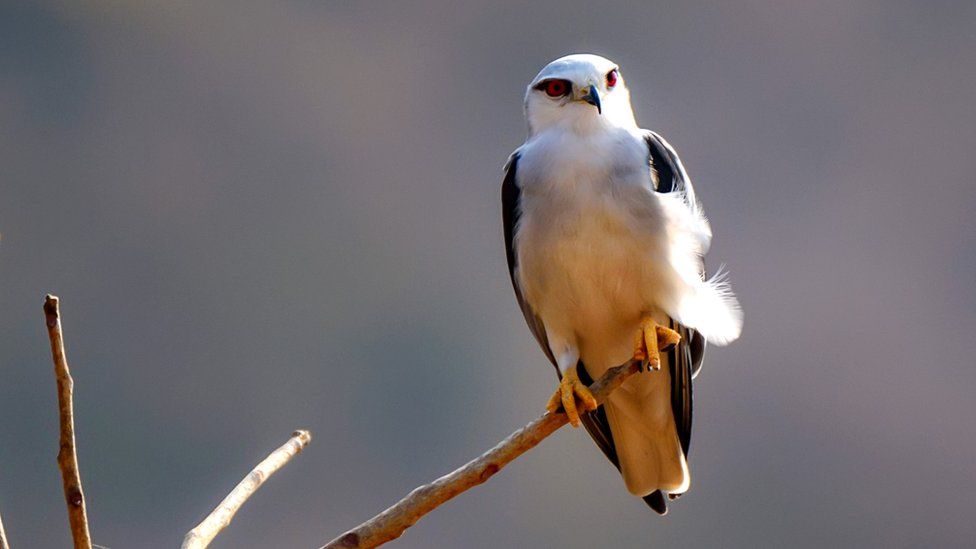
391,523
201,536
67,456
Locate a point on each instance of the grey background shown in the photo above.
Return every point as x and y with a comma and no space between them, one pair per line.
266,216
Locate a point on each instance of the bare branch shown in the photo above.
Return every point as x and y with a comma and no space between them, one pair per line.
390,524
67,456
3,537
201,536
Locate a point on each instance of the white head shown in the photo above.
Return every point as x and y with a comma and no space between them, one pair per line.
581,92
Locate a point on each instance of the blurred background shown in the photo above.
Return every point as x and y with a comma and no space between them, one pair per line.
263,217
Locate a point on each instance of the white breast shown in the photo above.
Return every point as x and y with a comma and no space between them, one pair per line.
591,240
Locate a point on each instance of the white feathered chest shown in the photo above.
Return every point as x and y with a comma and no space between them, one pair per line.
592,235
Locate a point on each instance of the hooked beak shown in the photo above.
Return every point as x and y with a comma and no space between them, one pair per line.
592,96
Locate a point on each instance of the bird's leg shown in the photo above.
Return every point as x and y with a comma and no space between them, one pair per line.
572,396
652,340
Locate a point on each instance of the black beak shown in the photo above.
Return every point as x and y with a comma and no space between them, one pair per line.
593,98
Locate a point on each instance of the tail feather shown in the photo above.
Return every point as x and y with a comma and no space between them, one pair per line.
647,445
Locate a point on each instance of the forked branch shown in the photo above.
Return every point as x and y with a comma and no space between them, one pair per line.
391,523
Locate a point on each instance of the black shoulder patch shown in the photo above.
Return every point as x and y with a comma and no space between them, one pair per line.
662,165
511,210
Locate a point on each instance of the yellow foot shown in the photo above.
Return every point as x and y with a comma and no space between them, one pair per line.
572,396
652,340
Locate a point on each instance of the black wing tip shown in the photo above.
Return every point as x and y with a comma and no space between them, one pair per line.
657,502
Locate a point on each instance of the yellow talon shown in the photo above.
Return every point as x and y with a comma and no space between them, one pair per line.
571,395
651,340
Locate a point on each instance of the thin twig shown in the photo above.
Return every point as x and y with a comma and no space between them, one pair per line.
220,518
3,537
390,524
67,456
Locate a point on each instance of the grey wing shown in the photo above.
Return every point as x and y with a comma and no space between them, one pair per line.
511,211
685,360
669,175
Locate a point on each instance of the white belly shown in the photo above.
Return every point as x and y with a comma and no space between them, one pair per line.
587,266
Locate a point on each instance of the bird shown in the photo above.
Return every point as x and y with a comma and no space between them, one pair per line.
605,240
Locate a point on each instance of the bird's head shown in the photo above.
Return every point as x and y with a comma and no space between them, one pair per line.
582,92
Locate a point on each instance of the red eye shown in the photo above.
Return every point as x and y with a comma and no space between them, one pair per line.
557,88
612,78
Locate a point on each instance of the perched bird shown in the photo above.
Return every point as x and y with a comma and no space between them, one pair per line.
605,241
